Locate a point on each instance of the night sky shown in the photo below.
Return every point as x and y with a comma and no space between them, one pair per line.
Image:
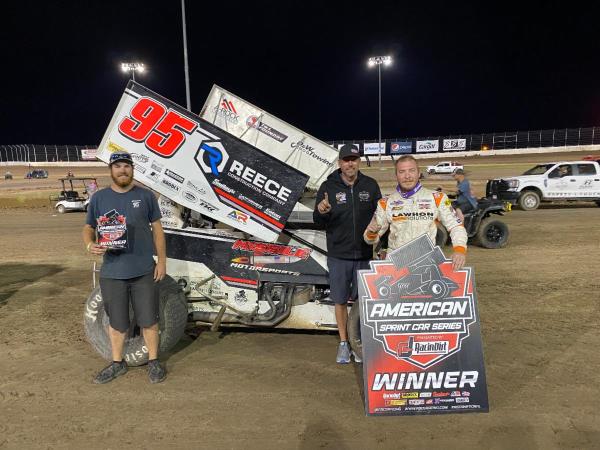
459,67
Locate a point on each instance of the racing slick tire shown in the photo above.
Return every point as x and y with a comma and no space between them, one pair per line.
492,234
529,200
172,321
441,238
61,209
353,329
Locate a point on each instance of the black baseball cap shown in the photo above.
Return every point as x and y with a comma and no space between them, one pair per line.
348,151
120,156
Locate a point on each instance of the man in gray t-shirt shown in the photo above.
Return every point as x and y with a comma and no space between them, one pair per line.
465,200
123,225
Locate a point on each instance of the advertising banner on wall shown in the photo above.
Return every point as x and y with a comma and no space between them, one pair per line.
421,337
373,148
89,154
397,148
200,166
454,144
270,134
430,145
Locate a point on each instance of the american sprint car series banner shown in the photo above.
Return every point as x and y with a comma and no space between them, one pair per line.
200,166
421,337
270,134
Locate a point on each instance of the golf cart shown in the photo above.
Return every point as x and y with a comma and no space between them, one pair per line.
69,199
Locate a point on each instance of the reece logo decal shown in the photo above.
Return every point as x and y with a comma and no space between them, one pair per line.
212,158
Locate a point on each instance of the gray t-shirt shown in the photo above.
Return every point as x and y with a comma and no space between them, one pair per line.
140,208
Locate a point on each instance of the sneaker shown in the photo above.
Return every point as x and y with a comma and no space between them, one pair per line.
110,372
156,372
343,353
357,359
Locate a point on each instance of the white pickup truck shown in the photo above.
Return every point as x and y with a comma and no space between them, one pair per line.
569,180
444,167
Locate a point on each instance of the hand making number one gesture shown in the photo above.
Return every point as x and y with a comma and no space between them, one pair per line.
324,207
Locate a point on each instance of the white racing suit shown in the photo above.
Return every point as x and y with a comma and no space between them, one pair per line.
409,218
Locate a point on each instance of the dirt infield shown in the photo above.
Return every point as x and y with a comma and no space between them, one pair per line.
540,316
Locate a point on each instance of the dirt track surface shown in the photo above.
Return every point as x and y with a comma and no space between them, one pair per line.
540,316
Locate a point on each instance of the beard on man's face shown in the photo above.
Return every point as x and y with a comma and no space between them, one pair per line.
122,179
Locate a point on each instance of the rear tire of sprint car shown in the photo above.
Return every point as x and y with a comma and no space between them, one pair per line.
172,322
492,234
353,329
60,209
529,200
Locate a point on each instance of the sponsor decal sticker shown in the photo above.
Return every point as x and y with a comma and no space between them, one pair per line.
239,216
189,196
310,151
154,176
226,109
174,176
156,166
195,186
140,158
169,185
254,122
410,395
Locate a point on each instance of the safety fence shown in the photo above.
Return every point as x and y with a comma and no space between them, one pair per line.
30,153
567,137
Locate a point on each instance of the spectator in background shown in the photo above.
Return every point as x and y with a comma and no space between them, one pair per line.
92,187
465,200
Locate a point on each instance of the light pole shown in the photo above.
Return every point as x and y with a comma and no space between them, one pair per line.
133,68
185,58
378,61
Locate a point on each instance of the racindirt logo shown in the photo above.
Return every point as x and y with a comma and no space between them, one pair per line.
212,157
418,308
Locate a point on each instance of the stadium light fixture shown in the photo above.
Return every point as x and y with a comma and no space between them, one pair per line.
133,68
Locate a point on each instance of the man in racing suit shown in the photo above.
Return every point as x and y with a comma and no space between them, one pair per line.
412,211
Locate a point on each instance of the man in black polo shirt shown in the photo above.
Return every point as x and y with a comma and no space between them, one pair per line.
126,219
345,204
